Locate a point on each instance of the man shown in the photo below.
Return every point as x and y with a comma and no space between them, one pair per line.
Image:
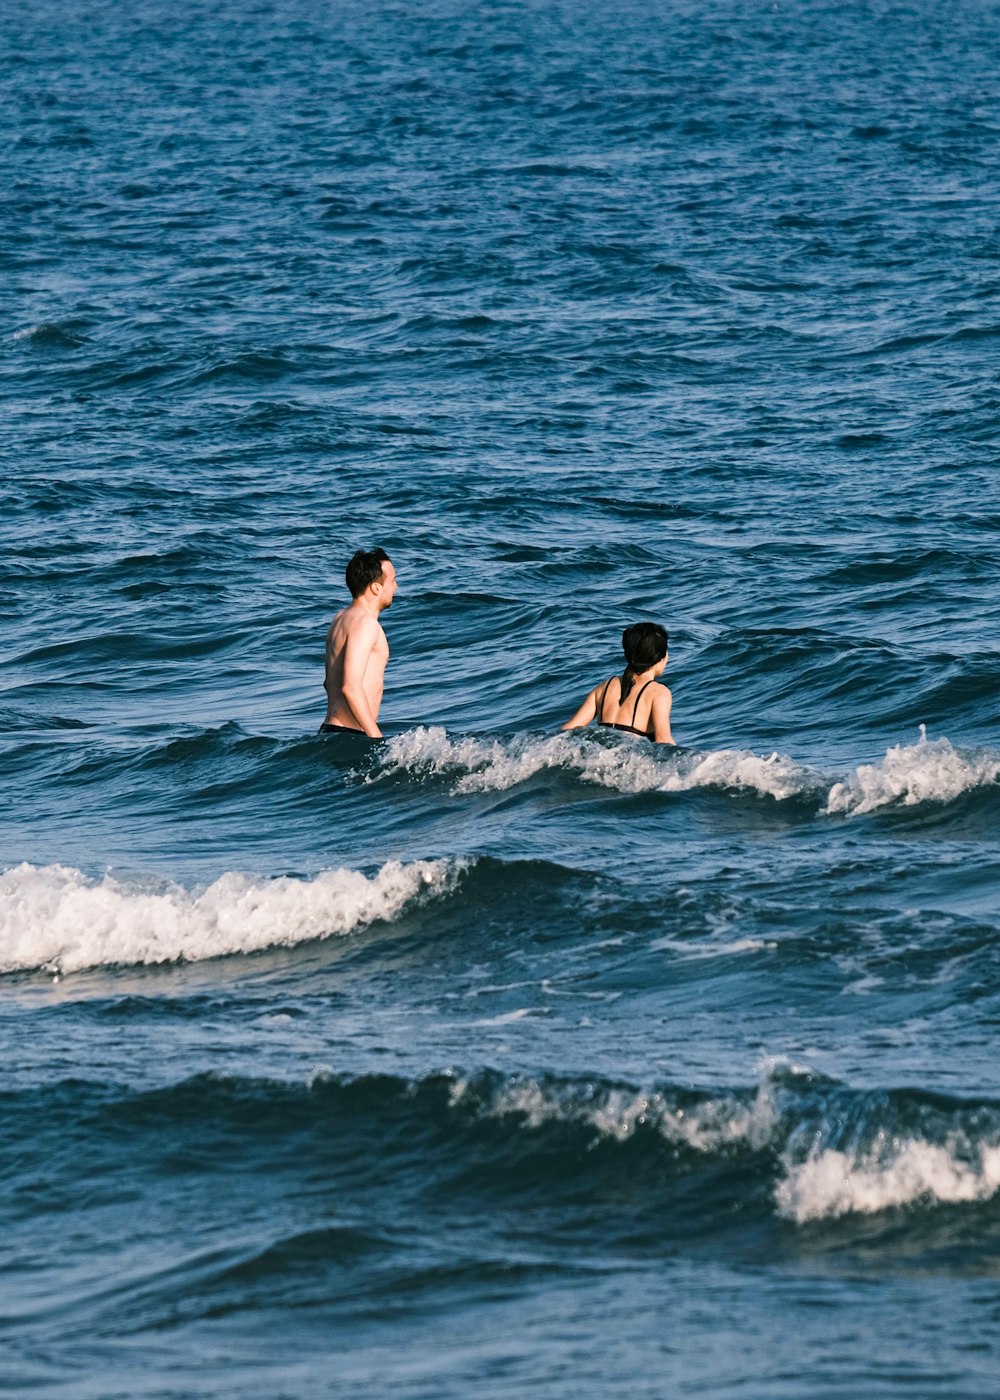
356,648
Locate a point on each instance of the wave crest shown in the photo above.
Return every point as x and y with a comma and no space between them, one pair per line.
794,1146
912,774
494,765
832,1183
899,1151
909,775
56,919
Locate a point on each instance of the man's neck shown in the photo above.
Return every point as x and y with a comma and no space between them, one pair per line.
368,605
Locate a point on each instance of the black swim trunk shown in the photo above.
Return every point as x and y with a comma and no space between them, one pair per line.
342,729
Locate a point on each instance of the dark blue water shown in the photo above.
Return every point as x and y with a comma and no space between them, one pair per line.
497,1061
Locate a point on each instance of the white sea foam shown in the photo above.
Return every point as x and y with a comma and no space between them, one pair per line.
891,1170
710,1126
928,771
55,918
831,1183
697,950
493,765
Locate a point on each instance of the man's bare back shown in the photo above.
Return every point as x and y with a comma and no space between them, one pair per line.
356,647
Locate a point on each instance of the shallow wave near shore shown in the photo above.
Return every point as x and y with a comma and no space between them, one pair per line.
794,1147
910,774
55,919
60,920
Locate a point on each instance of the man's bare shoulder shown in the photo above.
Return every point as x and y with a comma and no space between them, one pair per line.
351,618
355,625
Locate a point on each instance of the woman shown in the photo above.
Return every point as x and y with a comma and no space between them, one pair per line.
633,701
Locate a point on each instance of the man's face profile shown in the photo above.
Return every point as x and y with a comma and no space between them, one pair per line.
386,585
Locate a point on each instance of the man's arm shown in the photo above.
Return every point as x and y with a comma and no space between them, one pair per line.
360,642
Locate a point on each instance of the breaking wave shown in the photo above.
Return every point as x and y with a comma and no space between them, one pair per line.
832,1183
57,919
839,1152
493,765
909,775
794,1147
912,774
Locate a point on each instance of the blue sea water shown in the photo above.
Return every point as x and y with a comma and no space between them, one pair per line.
498,1061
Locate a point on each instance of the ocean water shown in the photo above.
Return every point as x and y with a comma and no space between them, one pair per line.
496,1061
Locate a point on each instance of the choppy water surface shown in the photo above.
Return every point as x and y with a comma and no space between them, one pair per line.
495,1060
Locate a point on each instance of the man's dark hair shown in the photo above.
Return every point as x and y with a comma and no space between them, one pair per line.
364,569
644,643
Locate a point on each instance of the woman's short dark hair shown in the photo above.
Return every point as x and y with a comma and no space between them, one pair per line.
364,569
644,644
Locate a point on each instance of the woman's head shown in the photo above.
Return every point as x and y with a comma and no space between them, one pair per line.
644,644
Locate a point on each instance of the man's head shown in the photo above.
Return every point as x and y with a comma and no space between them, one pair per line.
371,569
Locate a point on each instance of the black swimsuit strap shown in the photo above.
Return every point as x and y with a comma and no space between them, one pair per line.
600,707
635,707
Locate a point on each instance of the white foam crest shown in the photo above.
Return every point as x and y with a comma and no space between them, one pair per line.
776,776
707,1127
55,918
493,765
695,951
831,1183
488,764
927,771
718,1124
890,1172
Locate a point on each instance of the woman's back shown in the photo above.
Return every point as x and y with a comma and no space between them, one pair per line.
633,701
635,713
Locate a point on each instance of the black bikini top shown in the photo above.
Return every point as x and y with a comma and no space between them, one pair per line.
627,728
